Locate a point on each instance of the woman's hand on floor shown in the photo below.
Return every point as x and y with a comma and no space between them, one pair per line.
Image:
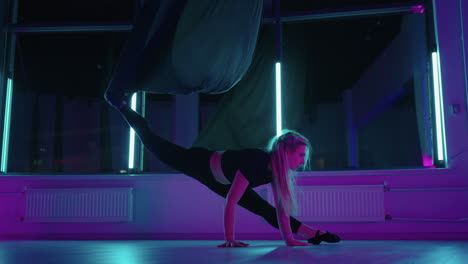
233,244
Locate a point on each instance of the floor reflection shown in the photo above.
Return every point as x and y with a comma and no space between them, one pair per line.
206,252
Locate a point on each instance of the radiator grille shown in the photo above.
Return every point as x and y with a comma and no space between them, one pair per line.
79,205
339,203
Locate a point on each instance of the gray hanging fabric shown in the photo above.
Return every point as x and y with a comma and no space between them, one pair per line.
190,46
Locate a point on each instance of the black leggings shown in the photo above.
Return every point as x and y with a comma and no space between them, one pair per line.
195,162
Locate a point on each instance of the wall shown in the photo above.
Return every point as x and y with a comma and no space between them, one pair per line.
454,78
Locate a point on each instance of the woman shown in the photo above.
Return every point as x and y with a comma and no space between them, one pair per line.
232,174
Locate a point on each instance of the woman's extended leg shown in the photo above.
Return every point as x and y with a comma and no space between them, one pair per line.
193,162
253,202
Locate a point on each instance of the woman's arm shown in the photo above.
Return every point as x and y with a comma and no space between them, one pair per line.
285,225
238,187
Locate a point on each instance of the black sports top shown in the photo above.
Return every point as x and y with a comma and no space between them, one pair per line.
253,163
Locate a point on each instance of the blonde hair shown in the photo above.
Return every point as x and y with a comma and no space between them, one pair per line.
284,180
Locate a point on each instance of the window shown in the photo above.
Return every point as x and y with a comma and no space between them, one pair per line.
356,83
59,120
361,89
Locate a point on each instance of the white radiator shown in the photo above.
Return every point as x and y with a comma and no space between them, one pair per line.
79,205
339,203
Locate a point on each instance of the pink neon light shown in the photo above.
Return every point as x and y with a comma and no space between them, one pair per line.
427,161
419,9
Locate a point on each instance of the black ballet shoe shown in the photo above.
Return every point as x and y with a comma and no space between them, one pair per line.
327,237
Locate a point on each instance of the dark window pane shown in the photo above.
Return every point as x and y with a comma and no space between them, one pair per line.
54,11
357,88
59,118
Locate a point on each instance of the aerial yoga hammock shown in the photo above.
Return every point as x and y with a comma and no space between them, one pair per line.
186,46
199,46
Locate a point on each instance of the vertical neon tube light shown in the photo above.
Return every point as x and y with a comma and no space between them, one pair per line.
131,148
439,107
6,125
278,99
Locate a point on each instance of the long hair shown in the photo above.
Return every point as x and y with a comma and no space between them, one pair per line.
284,180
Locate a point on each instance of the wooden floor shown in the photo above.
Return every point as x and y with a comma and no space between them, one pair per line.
150,251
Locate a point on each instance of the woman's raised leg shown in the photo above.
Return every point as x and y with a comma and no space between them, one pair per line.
193,162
